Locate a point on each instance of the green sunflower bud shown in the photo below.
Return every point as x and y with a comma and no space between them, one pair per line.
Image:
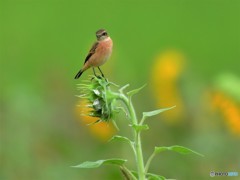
100,98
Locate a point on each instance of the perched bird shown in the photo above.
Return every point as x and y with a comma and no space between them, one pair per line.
99,53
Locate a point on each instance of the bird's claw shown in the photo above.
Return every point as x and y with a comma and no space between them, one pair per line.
99,77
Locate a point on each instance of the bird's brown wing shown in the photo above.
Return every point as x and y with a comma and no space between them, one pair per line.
91,52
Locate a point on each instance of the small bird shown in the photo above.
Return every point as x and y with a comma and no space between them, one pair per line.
98,54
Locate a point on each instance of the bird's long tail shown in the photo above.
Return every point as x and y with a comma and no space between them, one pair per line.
78,74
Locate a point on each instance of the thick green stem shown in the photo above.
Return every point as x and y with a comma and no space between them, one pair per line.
137,137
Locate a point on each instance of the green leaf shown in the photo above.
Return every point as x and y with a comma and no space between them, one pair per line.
156,112
153,113
121,138
155,177
123,88
140,127
135,91
125,139
160,149
176,148
95,164
111,83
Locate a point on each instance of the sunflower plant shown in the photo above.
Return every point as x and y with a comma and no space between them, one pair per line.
102,101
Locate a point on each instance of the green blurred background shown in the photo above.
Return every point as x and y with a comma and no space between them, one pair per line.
187,52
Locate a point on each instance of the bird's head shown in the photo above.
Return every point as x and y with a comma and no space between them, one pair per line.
101,34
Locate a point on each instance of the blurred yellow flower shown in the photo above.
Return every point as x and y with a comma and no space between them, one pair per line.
166,72
229,109
101,130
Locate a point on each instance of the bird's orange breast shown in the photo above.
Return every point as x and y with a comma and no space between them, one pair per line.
102,53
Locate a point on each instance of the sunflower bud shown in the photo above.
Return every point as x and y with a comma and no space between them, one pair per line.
100,98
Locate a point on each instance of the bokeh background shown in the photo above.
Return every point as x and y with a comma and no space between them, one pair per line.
187,52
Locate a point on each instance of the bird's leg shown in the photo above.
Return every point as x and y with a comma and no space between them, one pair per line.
95,73
102,73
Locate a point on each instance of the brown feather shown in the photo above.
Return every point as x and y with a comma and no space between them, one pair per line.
91,52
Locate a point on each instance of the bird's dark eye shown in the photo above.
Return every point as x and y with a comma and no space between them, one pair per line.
104,33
